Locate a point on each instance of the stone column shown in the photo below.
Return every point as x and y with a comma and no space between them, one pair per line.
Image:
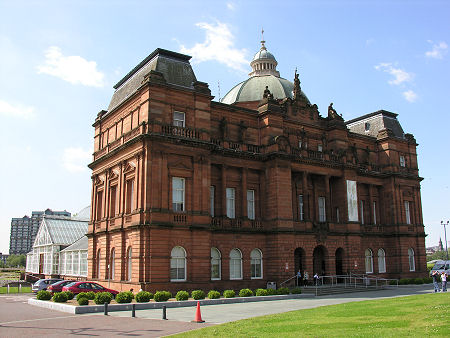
327,198
306,204
244,192
224,190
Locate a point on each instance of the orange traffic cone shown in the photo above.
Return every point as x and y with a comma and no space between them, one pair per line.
198,315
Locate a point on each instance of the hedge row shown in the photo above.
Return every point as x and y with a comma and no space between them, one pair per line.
160,296
405,281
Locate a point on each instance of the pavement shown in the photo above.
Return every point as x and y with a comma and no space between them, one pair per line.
18,319
223,313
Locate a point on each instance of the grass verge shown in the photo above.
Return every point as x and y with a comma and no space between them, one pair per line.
15,289
412,316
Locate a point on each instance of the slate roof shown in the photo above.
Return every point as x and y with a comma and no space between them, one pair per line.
175,68
80,244
64,230
376,121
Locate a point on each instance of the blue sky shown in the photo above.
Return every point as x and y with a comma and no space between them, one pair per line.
60,59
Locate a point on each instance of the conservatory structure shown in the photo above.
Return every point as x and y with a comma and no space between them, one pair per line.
55,234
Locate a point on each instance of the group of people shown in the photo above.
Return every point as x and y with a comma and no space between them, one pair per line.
443,277
302,280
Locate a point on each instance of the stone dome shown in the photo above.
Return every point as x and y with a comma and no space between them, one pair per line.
252,89
264,73
263,54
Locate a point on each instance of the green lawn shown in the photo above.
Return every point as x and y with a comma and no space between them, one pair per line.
25,289
412,316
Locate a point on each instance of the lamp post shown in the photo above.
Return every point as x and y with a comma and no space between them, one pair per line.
445,233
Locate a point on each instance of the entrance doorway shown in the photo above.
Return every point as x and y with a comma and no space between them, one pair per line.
41,263
299,259
319,260
339,259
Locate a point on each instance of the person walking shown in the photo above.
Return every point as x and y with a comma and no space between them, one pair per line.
299,277
444,281
305,278
435,277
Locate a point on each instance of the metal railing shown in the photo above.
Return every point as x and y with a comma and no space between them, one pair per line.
353,281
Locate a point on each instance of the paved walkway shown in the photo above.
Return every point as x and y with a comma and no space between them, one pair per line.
223,313
18,319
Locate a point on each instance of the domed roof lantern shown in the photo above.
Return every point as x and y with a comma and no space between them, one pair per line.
264,63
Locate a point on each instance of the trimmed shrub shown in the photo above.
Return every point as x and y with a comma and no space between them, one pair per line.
393,282
124,297
102,298
60,297
69,295
213,294
261,292
296,291
44,295
143,296
271,292
245,293
83,301
162,296
229,294
131,294
418,280
90,295
82,295
283,291
198,294
182,295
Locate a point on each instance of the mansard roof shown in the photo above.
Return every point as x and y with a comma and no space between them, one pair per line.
175,68
371,124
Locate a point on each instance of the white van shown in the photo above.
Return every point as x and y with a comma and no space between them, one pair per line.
440,266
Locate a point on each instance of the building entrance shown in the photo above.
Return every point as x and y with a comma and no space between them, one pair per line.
319,260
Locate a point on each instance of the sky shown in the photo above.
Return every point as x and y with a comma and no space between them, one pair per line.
59,61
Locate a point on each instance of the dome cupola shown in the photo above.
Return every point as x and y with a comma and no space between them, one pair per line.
264,63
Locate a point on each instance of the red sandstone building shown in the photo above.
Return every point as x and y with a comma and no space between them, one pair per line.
192,193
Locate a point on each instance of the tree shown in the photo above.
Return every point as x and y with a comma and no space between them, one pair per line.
16,260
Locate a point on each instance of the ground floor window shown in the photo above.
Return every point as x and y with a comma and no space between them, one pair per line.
215,264
381,261
412,263
369,261
178,264
235,264
256,263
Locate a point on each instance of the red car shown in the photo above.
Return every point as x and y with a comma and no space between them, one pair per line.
77,287
57,287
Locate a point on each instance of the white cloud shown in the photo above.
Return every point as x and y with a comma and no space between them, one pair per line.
399,75
218,46
410,95
76,159
231,6
16,110
73,69
438,50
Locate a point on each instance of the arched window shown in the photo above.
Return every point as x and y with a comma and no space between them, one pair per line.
256,263
178,264
129,264
381,261
112,262
235,264
98,263
369,261
412,262
215,264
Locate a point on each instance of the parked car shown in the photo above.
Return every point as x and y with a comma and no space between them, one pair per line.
57,287
441,266
43,284
77,287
